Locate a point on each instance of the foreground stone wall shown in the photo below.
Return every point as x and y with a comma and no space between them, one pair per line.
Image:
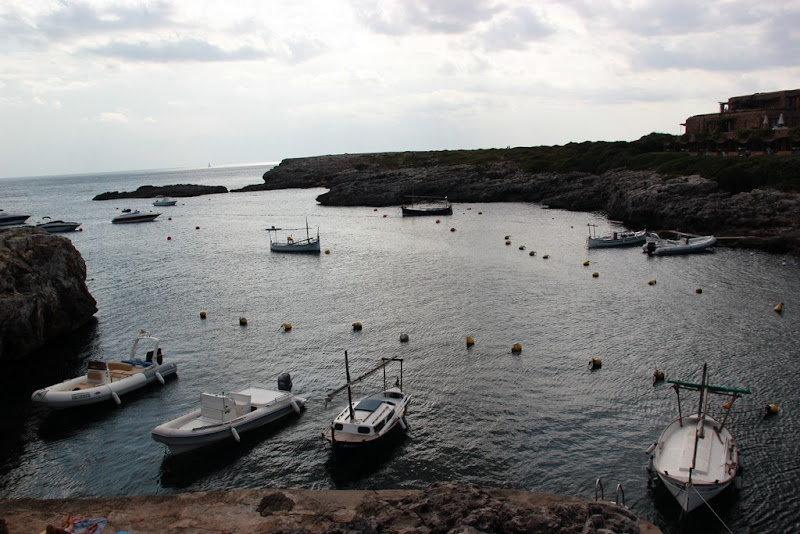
43,291
440,508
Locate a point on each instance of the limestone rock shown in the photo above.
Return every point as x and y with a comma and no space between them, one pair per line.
152,191
43,291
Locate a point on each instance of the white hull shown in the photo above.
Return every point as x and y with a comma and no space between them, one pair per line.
310,245
247,410
670,247
59,226
65,394
164,202
387,412
715,461
621,239
134,217
10,220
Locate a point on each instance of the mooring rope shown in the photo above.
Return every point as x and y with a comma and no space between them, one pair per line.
712,510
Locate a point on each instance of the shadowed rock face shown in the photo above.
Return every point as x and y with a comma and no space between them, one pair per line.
765,219
152,191
43,291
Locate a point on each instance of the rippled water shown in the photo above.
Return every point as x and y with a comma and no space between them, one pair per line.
540,420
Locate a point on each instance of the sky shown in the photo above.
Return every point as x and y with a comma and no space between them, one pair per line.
92,86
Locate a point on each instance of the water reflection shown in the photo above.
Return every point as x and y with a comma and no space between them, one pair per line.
348,466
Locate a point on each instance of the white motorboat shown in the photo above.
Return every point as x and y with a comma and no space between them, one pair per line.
58,226
224,417
374,417
658,246
164,201
614,239
134,216
7,219
105,381
291,244
696,456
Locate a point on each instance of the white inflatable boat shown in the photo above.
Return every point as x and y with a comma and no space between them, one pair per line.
106,381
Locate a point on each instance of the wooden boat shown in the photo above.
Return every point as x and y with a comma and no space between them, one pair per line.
658,246
614,239
696,456
428,206
373,418
289,244
108,381
134,216
224,417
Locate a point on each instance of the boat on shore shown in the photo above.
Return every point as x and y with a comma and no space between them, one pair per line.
696,456
8,219
58,226
428,206
105,381
226,416
614,239
164,201
290,244
658,246
373,418
134,216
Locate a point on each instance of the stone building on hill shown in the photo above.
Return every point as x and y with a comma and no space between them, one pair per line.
751,124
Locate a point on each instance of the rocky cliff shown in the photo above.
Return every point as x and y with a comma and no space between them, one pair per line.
762,218
152,191
43,291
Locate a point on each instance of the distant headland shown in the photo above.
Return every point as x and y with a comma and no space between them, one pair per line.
151,191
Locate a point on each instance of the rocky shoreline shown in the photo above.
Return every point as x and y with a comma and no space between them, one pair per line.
766,219
440,508
152,191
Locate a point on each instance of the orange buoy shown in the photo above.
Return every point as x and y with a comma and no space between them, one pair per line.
772,409
202,315
169,238
384,215
357,326
595,274
196,227
470,341
517,348
779,308
545,256
327,251
438,221
532,253
651,282
286,326
586,263
452,229
595,363
243,321
698,290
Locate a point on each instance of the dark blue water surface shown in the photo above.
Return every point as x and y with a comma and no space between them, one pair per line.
538,420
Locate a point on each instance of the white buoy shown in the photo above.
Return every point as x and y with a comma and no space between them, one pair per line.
651,448
402,424
295,407
116,398
235,435
160,378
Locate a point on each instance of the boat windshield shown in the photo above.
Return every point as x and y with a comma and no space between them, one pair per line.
369,405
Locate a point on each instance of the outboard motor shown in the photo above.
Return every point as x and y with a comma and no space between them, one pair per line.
651,247
284,382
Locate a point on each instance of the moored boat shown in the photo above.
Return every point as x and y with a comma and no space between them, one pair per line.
614,239
291,244
373,418
226,416
134,216
696,456
428,206
8,219
658,246
164,201
105,381
58,226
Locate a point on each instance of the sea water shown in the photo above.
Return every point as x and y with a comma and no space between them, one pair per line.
502,273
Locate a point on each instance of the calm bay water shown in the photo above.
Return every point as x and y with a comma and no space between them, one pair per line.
539,420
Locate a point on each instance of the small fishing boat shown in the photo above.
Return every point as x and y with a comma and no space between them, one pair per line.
696,456
134,216
658,246
374,417
290,244
614,239
105,381
55,227
164,201
226,416
7,219
428,206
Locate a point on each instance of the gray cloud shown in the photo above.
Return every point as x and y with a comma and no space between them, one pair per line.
411,16
180,51
514,31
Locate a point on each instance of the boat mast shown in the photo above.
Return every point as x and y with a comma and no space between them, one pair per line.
349,392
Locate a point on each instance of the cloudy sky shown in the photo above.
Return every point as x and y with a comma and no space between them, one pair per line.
108,85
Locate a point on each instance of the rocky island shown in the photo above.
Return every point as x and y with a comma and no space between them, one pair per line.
151,191
43,291
744,201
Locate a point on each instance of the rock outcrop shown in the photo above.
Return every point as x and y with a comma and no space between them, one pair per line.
767,219
152,191
43,291
439,509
